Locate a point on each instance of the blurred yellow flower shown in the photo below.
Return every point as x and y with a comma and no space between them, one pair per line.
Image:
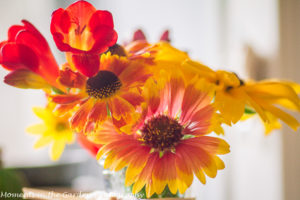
54,131
269,98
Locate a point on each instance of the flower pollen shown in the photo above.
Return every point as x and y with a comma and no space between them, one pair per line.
103,85
162,133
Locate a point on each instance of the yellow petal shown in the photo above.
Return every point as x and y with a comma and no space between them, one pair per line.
285,117
200,175
43,141
23,78
36,129
57,149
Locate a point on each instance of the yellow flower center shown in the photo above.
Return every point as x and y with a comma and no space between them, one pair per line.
61,126
103,85
162,133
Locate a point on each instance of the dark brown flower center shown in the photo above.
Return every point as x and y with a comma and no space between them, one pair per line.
103,85
162,133
117,50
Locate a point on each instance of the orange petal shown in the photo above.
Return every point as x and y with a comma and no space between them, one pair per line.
133,97
79,119
98,114
66,98
71,79
120,108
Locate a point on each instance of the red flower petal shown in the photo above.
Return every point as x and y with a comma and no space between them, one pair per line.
88,145
139,35
104,38
18,56
165,36
66,99
71,79
13,31
101,18
81,12
87,64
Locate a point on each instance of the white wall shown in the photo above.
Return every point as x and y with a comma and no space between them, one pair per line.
15,104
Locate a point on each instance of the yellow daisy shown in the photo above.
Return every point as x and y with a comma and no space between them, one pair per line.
54,131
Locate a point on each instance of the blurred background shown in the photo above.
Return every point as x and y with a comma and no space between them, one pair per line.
254,38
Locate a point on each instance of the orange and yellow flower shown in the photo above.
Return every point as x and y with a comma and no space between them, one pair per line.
115,90
170,143
54,130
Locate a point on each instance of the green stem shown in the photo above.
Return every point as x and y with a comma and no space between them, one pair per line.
165,194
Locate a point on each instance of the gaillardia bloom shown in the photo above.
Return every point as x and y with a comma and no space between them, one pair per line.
54,130
170,143
27,54
115,90
267,98
84,33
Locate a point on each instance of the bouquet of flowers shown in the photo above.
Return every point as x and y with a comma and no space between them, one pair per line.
147,108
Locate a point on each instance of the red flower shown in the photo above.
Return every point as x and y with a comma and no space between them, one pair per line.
85,33
27,50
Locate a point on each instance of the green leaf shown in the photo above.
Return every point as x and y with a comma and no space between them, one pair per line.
57,91
249,111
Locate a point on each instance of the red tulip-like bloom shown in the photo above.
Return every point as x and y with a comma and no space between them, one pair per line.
27,51
84,33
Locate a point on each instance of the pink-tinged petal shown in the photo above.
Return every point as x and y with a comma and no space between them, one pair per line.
197,158
71,79
87,64
193,100
164,172
183,167
138,35
201,121
176,89
165,36
211,145
66,98
23,78
18,56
